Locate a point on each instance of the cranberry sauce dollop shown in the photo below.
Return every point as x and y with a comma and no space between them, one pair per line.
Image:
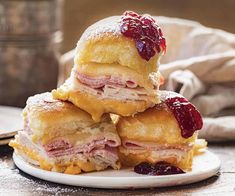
186,114
159,168
146,33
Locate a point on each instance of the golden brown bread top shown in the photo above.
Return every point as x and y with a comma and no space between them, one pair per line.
103,42
53,118
156,124
45,108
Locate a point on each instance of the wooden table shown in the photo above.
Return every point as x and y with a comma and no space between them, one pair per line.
15,182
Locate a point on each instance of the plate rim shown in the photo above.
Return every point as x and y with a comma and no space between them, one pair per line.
11,107
43,174
5,141
4,133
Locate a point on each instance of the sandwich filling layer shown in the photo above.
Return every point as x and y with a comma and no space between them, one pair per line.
115,82
134,152
101,151
157,151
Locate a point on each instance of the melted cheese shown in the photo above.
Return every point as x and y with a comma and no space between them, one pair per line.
86,166
73,169
35,138
96,107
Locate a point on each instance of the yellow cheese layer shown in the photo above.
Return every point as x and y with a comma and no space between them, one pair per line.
96,107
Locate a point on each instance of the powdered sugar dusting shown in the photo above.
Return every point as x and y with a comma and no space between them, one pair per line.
110,25
41,99
164,95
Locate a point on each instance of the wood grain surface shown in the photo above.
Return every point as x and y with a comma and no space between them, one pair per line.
15,182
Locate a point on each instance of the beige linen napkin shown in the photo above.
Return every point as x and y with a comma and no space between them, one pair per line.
200,64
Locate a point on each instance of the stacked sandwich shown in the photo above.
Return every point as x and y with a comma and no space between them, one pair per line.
115,72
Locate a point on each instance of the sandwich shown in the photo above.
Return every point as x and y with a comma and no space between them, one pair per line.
58,136
165,133
116,66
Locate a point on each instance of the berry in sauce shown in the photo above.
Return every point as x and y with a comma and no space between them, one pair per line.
157,169
186,114
146,33
164,168
144,168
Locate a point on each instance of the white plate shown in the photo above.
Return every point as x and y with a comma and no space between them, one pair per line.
205,166
10,121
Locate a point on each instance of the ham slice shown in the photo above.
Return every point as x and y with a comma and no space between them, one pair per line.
124,93
110,87
108,154
135,145
158,151
25,139
101,81
102,150
57,145
26,126
62,148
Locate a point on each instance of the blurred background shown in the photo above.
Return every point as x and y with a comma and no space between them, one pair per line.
35,33
78,14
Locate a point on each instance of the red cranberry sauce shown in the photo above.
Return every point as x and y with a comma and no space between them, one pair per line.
186,114
146,33
159,168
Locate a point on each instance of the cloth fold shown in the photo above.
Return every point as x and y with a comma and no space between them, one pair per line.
218,129
200,65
